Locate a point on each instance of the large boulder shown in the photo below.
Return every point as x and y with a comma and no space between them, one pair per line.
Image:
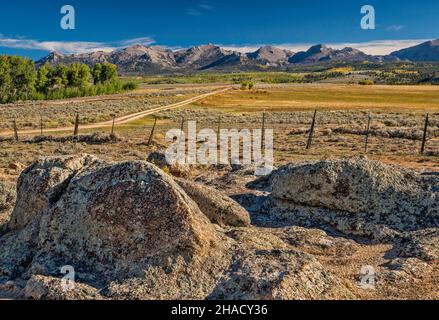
42,183
422,244
7,200
216,205
131,232
111,222
116,217
7,196
159,159
357,186
267,268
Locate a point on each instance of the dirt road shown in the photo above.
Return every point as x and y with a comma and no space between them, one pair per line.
124,119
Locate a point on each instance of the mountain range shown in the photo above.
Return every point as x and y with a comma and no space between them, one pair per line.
139,59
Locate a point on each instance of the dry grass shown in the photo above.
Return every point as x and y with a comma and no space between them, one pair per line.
395,137
419,99
62,113
292,111
338,134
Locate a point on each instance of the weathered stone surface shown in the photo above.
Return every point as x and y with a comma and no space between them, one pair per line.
159,159
7,201
17,248
115,224
422,244
132,232
282,213
217,206
50,288
266,268
383,193
41,184
405,270
119,216
7,196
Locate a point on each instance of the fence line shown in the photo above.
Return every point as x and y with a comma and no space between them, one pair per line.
424,137
311,132
152,131
366,142
76,130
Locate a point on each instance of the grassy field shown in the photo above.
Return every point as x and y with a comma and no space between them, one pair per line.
398,115
419,99
62,113
229,78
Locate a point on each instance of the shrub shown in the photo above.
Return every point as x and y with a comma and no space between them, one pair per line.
367,82
131,85
247,85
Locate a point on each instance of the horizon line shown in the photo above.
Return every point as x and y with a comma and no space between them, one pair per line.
373,47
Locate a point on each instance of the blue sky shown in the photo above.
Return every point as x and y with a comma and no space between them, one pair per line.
32,28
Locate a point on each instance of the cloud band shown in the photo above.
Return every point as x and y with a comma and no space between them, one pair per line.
73,47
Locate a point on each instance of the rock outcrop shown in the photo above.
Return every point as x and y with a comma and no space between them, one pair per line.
422,244
7,200
265,268
131,232
362,190
217,206
42,183
159,159
121,215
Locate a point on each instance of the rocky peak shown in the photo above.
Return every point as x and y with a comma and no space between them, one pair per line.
270,54
427,51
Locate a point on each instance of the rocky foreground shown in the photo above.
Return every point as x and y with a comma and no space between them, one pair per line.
132,231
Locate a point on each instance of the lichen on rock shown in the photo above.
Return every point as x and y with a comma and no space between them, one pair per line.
218,207
131,232
360,190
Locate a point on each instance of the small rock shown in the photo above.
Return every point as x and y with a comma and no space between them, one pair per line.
16,166
217,206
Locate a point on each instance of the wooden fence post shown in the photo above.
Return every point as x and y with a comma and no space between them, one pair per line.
311,131
218,131
182,124
152,131
112,127
182,127
76,131
15,130
369,120
424,137
41,125
263,131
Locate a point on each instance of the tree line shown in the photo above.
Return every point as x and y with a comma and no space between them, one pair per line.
21,80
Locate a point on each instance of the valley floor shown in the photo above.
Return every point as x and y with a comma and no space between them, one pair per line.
397,123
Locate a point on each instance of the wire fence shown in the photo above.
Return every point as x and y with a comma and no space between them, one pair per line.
422,133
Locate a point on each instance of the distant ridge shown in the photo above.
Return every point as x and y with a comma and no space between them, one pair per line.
427,51
139,59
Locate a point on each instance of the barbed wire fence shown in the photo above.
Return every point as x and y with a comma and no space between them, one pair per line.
428,129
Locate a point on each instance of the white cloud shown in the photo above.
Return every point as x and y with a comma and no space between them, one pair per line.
193,12
200,9
379,47
146,41
70,47
395,27
382,47
296,47
206,6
